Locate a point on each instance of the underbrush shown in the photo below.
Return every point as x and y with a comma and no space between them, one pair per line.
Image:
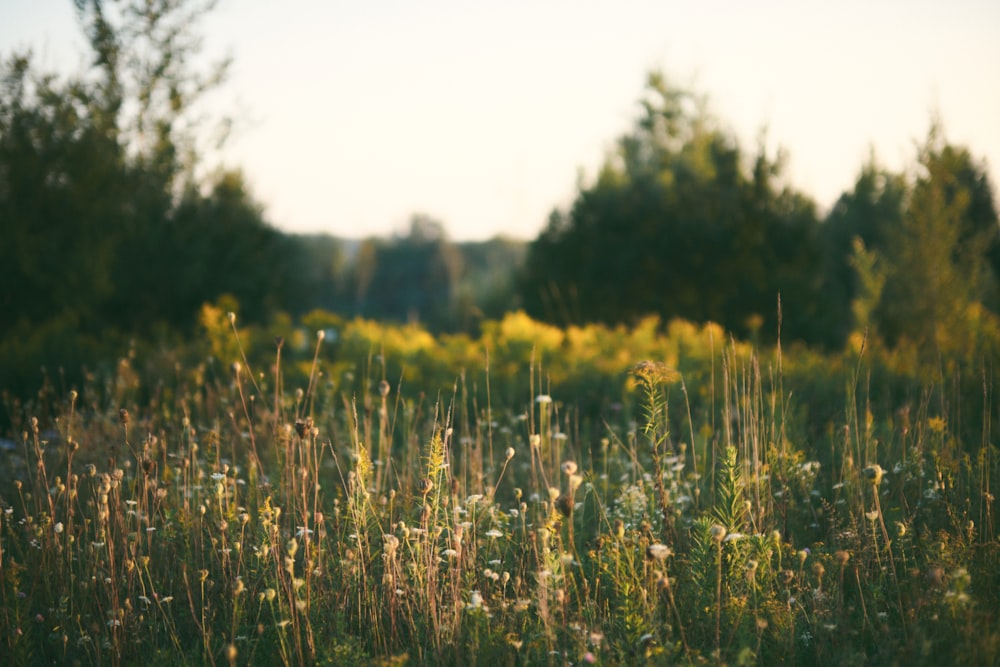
394,503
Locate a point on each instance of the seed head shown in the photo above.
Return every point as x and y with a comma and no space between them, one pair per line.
874,473
653,373
658,551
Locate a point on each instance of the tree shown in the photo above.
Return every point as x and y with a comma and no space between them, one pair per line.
854,238
677,225
144,54
62,187
412,277
940,272
210,245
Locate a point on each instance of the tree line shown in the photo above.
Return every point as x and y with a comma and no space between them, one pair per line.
109,225
681,222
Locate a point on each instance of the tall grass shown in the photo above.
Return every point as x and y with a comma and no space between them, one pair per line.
251,515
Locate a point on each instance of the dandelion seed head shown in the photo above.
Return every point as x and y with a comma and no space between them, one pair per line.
658,551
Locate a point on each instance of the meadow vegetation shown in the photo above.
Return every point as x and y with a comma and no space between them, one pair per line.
224,444
657,494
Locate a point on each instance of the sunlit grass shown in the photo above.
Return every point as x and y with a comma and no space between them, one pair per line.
253,519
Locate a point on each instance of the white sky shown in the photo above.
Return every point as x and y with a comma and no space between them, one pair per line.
357,114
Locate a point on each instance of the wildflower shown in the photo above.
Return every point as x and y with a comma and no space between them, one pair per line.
564,503
569,467
475,601
58,527
718,532
543,399
874,473
655,372
872,516
842,557
303,426
535,441
509,453
658,551
493,533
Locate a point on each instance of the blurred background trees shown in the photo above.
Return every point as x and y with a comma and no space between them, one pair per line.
113,226
105,220
680,222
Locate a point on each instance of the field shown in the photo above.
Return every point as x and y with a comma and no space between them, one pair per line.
352,492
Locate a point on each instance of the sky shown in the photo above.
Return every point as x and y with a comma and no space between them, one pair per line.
353,116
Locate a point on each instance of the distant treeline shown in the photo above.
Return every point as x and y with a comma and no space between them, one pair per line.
111,230
417,277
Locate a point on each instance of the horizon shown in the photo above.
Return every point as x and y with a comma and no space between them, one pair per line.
351,120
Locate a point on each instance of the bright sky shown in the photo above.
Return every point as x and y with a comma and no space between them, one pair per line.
356,115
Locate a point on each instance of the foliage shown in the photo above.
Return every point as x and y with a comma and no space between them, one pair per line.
939,273
676,225
105,219
219,514
409,279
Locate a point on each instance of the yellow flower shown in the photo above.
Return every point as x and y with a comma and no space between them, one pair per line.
936,425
